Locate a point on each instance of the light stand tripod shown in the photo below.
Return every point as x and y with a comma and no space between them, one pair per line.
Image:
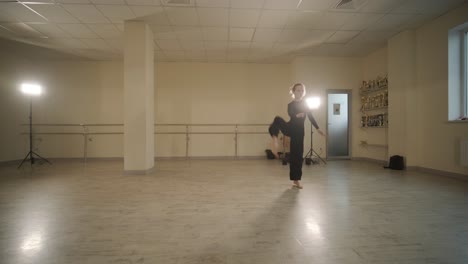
308,157
31,152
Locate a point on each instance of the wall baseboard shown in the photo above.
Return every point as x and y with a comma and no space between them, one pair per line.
421,169
140,172
439,172
93,159
212,158
381,162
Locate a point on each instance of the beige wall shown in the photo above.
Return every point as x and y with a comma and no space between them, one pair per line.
322,74
74,93
374,65
217,93
92,93
14,108
439,139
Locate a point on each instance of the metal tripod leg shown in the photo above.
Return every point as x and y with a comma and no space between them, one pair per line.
25,158
44,159
31,157
309,156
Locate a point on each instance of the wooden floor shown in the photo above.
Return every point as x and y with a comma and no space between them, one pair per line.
230,211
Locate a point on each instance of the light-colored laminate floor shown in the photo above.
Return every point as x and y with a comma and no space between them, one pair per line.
230,211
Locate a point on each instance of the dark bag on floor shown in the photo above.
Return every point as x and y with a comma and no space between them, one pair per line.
396,163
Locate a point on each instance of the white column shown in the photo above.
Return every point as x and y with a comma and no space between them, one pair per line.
138,98
404,136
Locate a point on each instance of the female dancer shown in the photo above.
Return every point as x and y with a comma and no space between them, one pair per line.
297,110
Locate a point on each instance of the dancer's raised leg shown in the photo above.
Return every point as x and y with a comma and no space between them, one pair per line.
279,124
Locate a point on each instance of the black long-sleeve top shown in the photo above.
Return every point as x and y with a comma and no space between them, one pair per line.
297,123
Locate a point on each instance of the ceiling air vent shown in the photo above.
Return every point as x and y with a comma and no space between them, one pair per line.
178,2
349,4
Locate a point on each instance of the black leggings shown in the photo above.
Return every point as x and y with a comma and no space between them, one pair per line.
296,148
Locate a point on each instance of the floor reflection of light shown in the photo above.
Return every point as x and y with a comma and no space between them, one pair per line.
32,243
313,227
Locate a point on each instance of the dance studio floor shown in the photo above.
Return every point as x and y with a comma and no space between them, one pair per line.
230,211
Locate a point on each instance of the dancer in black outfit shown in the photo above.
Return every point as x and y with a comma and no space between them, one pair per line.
297,110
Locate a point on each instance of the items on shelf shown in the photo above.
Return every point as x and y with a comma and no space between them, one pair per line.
371,85
380,120
370,102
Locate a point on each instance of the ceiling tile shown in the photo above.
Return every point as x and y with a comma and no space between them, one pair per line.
238,45
342,36
195,55
86,13
22,30
192,45
152,14
71,43
261,45
116,13
105,30
108,2
115,43
214,17
50,30
55,13
216,55
215,33
251,4
163,32
333,20
34,2
417,21
360,50
143,2
212,3
20,13
316,5
78,30
281,4
315,37
96,44
427,6
188,33
216,45
168,44
381,6
141,11
174,55
181,16
243,18
284,47
293,35
241,34
238,56
361,21
73,1
119,26
391,22
273,18
7,16
303,20
267,35
373,37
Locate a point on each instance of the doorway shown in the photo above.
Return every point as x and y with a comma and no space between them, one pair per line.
338,124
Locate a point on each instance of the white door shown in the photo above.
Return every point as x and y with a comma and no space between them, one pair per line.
338,125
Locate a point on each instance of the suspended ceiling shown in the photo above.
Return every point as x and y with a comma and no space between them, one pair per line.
263,31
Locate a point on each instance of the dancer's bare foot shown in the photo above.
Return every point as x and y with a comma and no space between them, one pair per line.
297,184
